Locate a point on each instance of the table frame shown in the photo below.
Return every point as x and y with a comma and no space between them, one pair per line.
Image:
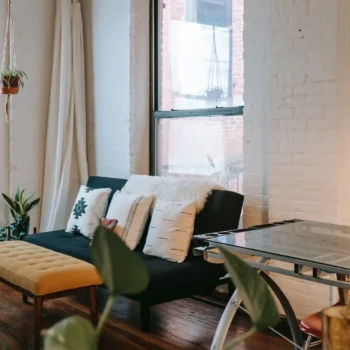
298,268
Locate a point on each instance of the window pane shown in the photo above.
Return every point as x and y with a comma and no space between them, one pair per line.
201,49
204,147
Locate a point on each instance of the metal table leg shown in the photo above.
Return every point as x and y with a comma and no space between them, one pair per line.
288,310
225,322
234,303
227,317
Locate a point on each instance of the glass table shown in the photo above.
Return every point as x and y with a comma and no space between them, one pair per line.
311,251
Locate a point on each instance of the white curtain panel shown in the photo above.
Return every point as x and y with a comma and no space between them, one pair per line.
66,159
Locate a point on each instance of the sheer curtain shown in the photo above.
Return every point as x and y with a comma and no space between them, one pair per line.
66,159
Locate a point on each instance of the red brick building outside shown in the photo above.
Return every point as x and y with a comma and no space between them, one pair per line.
190,68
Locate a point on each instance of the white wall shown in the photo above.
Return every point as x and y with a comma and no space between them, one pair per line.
4,130
291,119
117,66
24,138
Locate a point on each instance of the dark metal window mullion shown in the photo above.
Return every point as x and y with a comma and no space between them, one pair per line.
190,113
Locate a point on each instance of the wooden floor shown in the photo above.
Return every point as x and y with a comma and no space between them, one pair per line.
185,324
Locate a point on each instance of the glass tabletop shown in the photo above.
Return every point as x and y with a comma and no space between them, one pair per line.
326,244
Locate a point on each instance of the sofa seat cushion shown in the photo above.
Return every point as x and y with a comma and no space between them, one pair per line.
77,246
168,280
42,271
171,281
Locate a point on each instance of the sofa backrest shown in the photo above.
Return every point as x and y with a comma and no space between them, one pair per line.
222,210
106,182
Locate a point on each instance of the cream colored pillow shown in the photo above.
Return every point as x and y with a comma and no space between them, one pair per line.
132,212
171,229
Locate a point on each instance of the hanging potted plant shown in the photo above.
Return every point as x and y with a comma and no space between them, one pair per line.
214,90
11,78
11,81
214,93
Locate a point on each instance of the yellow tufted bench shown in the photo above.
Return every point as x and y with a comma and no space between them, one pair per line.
44,274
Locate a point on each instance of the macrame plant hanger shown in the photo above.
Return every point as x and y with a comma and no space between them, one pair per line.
214,80
9,54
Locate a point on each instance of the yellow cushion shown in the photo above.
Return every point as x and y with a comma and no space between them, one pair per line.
42,271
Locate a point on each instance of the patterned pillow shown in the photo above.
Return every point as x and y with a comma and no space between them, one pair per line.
89,208
132,211
170,232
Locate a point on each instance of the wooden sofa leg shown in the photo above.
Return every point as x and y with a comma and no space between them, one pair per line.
38,308
93,305
25,299
145,317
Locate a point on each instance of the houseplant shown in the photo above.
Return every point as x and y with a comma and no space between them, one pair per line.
123,272
11,81
19,209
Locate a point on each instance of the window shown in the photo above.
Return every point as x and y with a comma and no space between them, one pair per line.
198,84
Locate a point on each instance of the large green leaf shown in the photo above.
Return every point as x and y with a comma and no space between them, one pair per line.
27,200
122,270
9,202
71,334
253,290
31,205
14,215
19,208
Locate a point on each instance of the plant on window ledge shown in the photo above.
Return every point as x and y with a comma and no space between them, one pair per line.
19,208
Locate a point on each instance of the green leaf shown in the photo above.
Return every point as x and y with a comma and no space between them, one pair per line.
19,208
21,197
122,270
253,290
71,334
14,215
32,205
9,202
17,195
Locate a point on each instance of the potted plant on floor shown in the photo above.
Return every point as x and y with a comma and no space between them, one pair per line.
11,81
19,208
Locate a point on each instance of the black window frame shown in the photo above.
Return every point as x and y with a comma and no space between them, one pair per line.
155,89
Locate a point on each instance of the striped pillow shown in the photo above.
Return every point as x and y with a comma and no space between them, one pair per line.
132,211
171,229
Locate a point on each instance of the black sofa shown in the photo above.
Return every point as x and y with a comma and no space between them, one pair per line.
168,280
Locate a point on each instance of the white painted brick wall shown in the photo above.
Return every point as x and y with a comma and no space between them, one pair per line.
291,128
117,78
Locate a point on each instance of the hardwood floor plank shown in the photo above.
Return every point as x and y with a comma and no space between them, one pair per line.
183,324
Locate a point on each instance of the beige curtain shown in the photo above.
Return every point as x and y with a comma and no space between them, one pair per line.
66,160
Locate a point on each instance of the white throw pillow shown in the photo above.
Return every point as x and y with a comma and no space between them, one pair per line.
89,208
132,212
170,232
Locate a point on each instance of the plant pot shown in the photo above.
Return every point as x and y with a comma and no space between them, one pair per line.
19,231
4,90
336,328
13,89
214,94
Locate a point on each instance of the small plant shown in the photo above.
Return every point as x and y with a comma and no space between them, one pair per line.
19,208
12,80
